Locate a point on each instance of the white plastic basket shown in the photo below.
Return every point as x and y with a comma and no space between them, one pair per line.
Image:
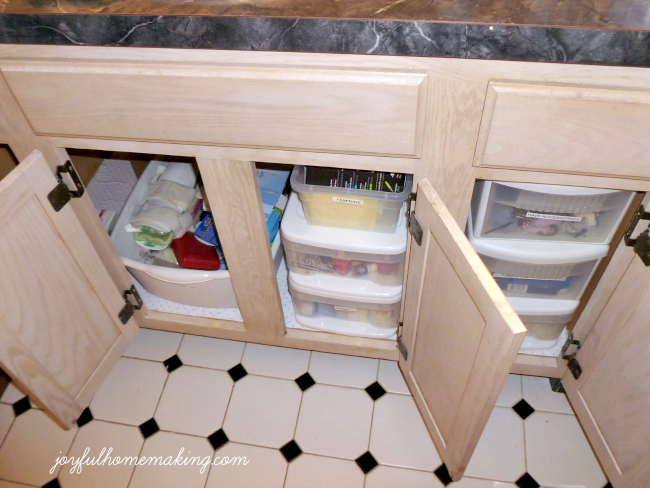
187,286
529,211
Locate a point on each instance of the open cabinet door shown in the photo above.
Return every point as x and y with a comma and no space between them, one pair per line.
460,334
60,333
611,397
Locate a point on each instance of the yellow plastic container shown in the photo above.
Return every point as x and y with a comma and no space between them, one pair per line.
348,208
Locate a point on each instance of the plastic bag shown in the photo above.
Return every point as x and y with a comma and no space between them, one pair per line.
171,195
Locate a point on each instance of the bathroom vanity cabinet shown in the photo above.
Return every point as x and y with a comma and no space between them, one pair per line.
67,312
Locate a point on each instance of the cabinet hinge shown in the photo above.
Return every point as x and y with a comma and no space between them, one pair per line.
569,352
641,243
129,306
400,343
412,221
61,193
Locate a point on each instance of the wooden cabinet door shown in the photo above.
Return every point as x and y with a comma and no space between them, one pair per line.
60,333
460,333
611,397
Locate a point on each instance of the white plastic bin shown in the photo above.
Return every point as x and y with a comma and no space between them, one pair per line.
536,269
211,289
363,255
345,305
544,319
375,211
547,212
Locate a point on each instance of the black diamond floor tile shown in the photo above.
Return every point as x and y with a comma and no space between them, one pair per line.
367,462
608,485
172,363
149,428
305,381
527,481
376,391
523,409
218,439
52,484
237,372
85,417
443,475
291,451
21,406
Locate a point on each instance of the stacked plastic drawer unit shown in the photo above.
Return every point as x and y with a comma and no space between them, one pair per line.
542,244
345,250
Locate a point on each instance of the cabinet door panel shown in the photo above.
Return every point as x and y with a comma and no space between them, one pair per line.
331,110
572,129
612,396
59,333
461,334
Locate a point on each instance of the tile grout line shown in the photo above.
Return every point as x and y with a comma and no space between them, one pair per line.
295,428
135,467
372,421
523,426
278,378
9,429
67,453
225,414
11,481
154,413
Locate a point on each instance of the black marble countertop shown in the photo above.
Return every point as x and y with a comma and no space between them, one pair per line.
373,37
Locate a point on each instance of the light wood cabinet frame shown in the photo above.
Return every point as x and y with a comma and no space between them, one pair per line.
449,116
451,105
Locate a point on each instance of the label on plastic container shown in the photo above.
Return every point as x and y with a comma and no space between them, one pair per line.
344,309
498,275
517,288
565,218
353,201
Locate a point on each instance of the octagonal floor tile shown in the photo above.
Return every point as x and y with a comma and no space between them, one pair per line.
334,421
500,454
130,393
194,401
263,411
399,436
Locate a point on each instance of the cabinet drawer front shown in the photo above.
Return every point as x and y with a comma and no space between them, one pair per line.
568,129
308,109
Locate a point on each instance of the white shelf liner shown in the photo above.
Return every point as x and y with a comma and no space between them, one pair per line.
112,184
109,190
153,302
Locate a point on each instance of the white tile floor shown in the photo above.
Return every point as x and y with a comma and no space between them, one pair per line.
174,391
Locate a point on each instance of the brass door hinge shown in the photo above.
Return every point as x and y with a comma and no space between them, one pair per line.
400,343
412,222
569,352
61,194
129,306
640,243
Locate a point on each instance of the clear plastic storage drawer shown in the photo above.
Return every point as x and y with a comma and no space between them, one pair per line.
349,208
565,281
559,270
544,319
345,306
364,255
547,212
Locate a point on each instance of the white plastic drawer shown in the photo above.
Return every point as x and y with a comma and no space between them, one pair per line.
563,281
544,319
362,255
542,333
382,269
368,313
547,212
